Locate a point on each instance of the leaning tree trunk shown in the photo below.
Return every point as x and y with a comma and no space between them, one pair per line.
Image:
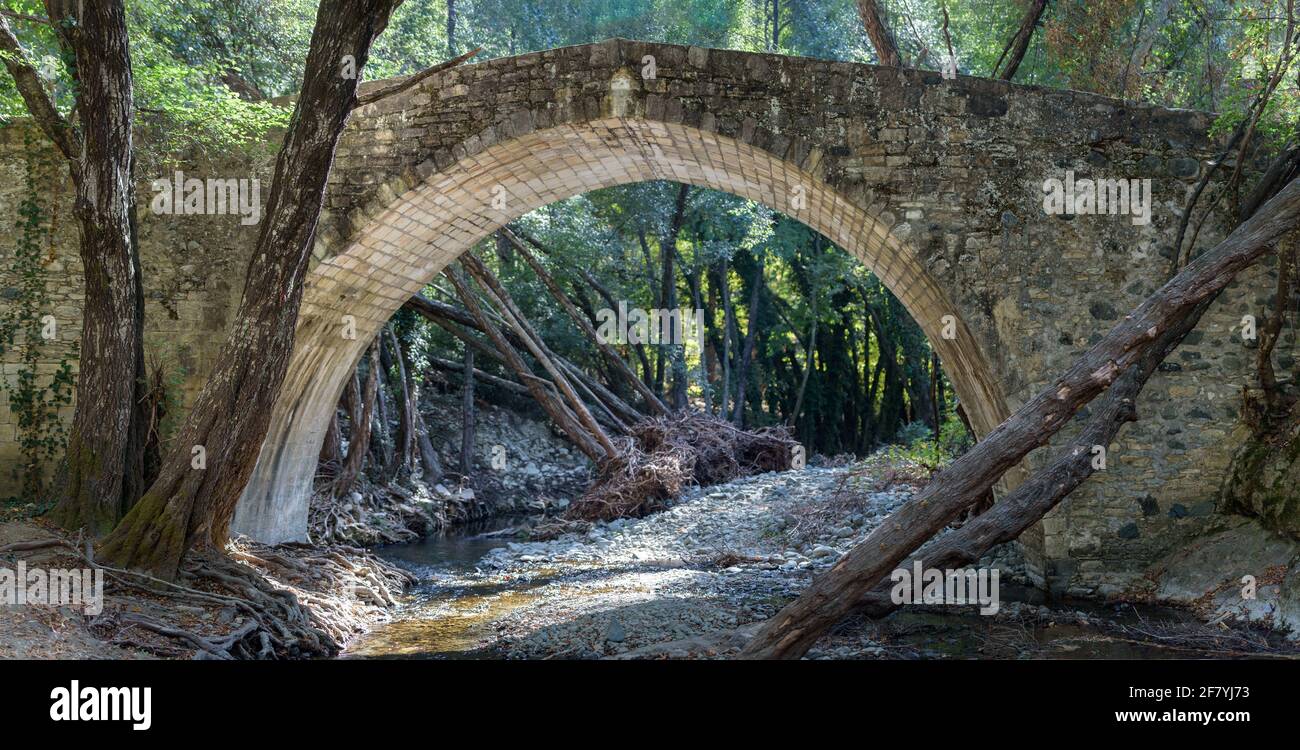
615,361
194,498
105,452
549,403
797,627
1047,487
1019,43
515,318
879,34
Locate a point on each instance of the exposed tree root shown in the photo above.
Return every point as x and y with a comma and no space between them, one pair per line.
252,601
389,514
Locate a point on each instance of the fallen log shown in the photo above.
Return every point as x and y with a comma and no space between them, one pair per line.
797,627
537,347
554,407
1046,488
585,326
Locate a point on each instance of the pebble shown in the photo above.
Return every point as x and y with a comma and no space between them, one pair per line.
660,573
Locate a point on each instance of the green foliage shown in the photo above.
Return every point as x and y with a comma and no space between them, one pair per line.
915,442
183,62
34,399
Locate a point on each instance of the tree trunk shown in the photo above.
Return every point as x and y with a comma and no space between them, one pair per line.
605,294
362,407
1019,43
916,360
553,408
879,34
485,377
381,442
429,463
1006,520
807,368
467,417
405,406
1143,48
585,326
451,28
192,501
515,317
668,294
331,451
1047,487
105,453
728,333
889,417
751,336
798,626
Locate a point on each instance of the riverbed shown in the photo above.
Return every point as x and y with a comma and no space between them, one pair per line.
719,561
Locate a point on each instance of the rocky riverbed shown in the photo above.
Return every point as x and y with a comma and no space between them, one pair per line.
691,581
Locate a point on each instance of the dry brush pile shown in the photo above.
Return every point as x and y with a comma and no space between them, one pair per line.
663,456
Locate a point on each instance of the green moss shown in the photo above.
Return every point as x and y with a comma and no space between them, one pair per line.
1265,483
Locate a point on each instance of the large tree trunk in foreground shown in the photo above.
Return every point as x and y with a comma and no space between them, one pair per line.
1046,488
797,627
193,500
105,452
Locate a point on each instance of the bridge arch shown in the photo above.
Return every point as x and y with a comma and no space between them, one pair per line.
407,242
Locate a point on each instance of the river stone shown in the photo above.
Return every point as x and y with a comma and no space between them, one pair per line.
1223,557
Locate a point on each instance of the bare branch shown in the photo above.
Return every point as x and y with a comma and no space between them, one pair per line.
24,16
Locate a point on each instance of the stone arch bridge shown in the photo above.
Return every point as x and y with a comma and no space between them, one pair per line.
935,184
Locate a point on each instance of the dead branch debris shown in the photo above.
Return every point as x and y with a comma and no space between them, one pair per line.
663,456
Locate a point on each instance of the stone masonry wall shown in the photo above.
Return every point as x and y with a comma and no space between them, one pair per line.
193,268
943,179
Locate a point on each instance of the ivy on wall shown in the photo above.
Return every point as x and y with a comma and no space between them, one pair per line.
28,329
